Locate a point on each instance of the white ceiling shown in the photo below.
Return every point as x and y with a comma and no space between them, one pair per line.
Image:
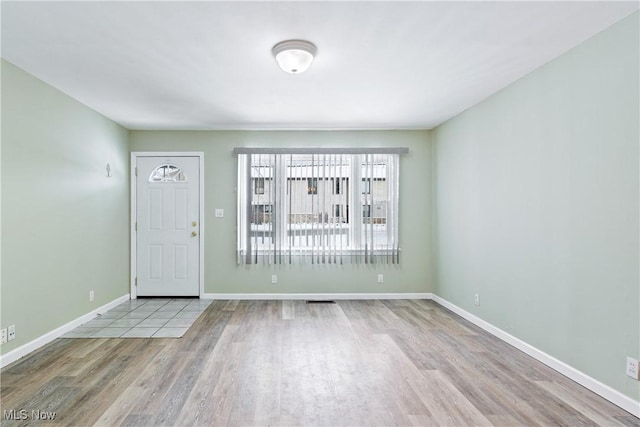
208,65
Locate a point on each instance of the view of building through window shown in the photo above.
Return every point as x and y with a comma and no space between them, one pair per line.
304,203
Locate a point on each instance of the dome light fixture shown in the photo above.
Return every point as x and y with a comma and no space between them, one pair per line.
294,56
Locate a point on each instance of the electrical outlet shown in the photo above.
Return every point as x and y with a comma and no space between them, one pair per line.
4,336
632,368
380,278
476,299
91,296
12,335
274,278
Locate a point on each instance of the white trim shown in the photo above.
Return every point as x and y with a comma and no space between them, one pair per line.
603,390
27,348
202,221
133,215
132,227
339,296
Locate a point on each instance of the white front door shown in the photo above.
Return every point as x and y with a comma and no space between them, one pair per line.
168,226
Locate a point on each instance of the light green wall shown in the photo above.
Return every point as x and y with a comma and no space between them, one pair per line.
536,199
64,223
223,275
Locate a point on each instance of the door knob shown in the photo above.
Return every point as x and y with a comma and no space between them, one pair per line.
194,234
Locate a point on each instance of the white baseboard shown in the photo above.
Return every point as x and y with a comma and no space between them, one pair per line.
27,348
613,396
312,296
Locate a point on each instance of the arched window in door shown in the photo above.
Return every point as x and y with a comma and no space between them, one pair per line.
167,173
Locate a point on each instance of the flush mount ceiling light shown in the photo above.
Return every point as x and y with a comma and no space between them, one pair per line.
294,56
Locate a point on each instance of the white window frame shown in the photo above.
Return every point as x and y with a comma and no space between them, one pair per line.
362,244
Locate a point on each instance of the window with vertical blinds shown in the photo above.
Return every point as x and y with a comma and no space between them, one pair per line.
318,206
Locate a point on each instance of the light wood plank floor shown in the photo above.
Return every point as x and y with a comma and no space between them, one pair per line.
400,362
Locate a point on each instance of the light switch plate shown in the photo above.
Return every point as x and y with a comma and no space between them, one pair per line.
219,213
632,368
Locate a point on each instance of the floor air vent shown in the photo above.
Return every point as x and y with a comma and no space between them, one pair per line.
320,301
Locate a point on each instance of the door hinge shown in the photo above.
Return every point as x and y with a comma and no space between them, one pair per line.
136,226
136,282
135,170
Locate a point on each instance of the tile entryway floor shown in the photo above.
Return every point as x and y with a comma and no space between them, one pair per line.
144,318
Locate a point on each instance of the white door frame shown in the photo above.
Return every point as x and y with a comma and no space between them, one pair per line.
134,158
